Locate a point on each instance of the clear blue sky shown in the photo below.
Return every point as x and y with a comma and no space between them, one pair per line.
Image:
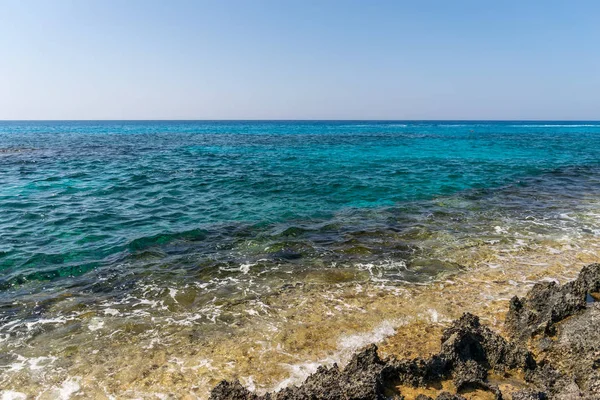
285,59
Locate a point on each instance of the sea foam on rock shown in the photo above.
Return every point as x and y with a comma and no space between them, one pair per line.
559,323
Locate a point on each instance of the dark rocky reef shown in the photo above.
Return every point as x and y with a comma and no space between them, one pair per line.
560,324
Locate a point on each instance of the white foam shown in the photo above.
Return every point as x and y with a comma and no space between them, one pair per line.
551,280
38,363
69,387
552,250
347,346
555,126
12,325
203,363
249,383
434,315
567,217
43,321
95,324
384,265
111,311
500,229
153,342
151,303
298,373
19,364
33,363
245,268
12,395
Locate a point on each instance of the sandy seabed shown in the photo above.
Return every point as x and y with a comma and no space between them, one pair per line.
287,335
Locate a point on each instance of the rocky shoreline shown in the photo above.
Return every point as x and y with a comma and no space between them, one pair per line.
552,351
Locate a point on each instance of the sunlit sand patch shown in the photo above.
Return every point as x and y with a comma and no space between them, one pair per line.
507,383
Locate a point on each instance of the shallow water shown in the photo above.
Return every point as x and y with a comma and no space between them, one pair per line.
149,259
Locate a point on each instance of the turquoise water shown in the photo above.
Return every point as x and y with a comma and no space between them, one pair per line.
82,195
125,213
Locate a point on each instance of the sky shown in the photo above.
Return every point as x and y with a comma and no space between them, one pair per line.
288,59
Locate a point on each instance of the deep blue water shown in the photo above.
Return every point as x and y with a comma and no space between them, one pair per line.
77,197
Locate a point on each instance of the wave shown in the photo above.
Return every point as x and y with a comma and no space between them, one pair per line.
556,126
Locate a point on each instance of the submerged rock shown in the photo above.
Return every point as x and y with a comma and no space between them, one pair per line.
567,366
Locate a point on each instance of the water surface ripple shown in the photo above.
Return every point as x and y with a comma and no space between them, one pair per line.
106,227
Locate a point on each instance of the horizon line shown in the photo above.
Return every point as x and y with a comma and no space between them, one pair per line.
296,120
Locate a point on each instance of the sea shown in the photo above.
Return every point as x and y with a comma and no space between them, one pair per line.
151,259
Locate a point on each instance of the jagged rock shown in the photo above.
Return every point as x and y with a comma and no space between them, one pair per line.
568,362
469,373
564,326
232,391
468,350
547,303
467,339
568,367
361,379
417,372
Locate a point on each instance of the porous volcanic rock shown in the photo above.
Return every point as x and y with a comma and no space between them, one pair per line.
560,324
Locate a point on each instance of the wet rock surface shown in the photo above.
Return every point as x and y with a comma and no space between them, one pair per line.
553,344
